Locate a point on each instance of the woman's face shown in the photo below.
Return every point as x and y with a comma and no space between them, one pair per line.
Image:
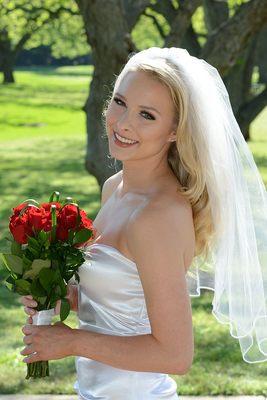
140,110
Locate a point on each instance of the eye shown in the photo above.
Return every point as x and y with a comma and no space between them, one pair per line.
116,99
151,117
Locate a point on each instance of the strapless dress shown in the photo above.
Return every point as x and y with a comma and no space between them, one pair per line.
111,301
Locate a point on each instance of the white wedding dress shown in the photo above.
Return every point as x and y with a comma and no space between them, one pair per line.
111,301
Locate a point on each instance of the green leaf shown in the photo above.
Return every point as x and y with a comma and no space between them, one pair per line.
9,282
36,267
26,261
82,236
33,251
42,299
58,290
16,249
63,287
42,236
13,263
22,286
47,277
37,289
33,243
23,283
10,279
64,309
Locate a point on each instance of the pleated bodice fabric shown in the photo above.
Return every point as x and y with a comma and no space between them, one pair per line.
111,301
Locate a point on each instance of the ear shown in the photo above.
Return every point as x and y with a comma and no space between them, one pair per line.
172,137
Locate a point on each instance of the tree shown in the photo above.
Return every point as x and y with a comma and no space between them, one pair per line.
230,39
20,20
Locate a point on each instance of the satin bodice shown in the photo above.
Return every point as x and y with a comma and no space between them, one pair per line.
111,301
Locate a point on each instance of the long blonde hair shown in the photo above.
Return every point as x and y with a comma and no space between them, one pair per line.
183,154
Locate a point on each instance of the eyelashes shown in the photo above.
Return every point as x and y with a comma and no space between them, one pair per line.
151,117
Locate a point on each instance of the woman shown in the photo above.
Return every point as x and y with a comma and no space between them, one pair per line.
164,210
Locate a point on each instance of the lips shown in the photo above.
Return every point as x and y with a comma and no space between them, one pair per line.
125,137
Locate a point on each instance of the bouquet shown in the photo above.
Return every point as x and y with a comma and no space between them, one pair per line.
45,253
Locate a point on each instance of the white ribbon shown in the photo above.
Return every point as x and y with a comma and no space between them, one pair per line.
43,317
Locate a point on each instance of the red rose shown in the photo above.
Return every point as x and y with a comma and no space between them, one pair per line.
19,227
47,206
17,210
68,216
47,222
66,220
36,217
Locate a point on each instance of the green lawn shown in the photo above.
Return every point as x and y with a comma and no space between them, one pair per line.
34,161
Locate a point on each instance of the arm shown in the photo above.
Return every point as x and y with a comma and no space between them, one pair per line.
108,188
169,347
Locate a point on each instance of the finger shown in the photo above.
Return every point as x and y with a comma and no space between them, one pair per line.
27,350
32,358
23,298
27,339
29,310
29,320
28,329
57,308
28,302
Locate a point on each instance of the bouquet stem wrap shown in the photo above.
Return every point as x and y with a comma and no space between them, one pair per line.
40,369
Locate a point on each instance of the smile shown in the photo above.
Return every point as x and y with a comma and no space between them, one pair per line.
124,140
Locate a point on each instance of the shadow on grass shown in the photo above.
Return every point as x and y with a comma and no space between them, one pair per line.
84,70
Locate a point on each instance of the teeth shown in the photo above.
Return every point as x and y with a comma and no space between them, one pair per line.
122,139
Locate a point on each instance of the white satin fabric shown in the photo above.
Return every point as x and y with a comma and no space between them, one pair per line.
111,301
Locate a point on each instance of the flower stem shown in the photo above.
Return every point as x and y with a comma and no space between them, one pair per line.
37,369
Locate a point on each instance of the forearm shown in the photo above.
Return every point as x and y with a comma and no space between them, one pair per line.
135,353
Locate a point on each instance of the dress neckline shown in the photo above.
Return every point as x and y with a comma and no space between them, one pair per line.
114,249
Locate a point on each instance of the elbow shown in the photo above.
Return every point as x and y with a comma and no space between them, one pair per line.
183,366
183,370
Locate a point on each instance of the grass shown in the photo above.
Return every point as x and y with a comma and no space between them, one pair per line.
34,161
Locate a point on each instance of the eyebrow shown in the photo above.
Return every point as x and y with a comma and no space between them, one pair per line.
147,107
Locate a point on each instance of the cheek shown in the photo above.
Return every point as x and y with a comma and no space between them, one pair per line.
112,114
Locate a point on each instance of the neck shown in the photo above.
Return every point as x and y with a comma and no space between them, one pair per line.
145,178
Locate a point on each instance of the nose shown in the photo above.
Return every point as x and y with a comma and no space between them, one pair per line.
123,122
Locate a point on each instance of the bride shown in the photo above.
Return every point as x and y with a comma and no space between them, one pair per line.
159,214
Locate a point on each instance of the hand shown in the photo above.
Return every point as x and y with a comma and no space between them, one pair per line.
72,296
29,303
51,342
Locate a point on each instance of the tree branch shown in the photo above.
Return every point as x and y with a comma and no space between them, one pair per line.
225,44
156,23
249,111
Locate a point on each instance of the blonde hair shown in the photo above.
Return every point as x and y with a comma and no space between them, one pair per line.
184,154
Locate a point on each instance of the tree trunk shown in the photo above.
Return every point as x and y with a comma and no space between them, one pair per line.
7,69
107,34
7,57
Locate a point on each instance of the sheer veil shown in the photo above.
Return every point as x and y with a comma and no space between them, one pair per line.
236,269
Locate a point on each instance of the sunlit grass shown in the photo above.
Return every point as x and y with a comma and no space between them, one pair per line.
34,161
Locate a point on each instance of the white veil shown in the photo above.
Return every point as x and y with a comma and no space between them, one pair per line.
237,267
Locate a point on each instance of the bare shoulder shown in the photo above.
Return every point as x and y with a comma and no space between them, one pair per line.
110,186
166,222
